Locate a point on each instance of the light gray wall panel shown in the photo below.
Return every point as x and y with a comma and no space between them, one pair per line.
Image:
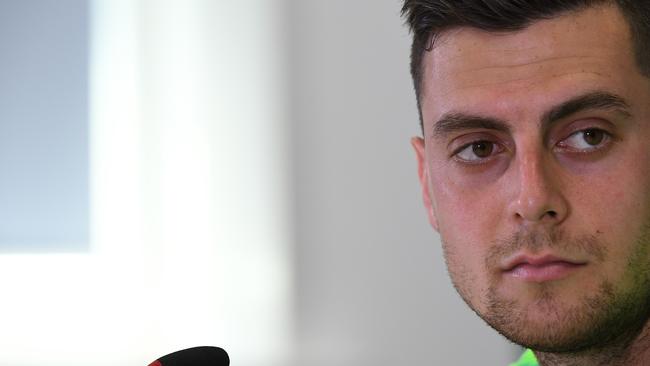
371,284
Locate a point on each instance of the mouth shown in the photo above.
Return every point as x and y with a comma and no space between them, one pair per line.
541,268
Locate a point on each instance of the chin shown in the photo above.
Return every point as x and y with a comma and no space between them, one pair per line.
544,324
548,324
546,334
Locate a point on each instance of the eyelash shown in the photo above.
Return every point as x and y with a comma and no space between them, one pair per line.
607,139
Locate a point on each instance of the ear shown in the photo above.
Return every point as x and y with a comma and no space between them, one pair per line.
423,173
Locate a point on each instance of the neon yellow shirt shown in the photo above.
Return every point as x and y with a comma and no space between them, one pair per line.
527,359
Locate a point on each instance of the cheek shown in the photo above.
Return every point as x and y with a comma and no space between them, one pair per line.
467,224
617,197
466,268
465,213
614,206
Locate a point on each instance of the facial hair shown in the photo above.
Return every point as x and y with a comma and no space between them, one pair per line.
614,315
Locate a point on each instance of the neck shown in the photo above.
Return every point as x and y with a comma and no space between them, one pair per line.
631,351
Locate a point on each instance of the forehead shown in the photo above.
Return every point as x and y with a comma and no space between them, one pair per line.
511,75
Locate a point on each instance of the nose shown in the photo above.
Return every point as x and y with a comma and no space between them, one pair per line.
539,198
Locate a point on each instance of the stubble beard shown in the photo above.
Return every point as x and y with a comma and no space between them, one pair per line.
612,317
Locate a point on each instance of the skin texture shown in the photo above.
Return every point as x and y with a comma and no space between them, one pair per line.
539,188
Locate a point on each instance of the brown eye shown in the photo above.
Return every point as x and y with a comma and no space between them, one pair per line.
593,137
477,151
482,149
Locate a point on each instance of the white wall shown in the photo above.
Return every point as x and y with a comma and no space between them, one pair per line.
188,165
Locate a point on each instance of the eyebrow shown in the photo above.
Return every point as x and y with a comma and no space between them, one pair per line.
455,121
590,101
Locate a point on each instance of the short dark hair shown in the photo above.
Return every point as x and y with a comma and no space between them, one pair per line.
428,18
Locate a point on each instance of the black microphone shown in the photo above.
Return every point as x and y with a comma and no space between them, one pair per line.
196,356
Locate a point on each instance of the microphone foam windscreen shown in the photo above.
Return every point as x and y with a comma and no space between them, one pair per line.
197,356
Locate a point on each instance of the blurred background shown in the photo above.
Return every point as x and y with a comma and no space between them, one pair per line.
179,173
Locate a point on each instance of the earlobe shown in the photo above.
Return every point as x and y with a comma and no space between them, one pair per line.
423,173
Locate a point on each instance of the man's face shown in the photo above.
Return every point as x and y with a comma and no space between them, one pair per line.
536,172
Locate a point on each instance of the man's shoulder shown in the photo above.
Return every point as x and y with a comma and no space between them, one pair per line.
527,359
